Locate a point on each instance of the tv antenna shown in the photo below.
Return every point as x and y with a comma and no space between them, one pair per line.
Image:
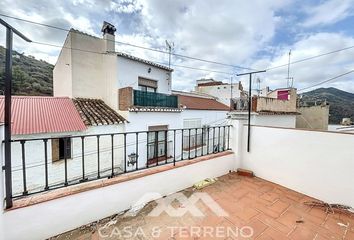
170,48
258,85
289,80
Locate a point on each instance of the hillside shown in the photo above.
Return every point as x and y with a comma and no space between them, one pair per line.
30,76
341,102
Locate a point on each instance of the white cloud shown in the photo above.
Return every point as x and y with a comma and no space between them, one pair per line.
316,70
125,6
227,31
329,12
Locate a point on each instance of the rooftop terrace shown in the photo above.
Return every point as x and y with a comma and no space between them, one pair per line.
256,209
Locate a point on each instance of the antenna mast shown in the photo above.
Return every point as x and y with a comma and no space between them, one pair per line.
170,47
288,78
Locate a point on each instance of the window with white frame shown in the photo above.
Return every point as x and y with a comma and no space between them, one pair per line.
157,143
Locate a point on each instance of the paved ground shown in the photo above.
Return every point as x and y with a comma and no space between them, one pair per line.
256,209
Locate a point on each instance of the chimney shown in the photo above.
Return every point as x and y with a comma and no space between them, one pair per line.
108,31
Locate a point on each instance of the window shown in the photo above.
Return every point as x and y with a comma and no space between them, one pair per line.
58,149
146,89
147,85
283,95
192,138
157,144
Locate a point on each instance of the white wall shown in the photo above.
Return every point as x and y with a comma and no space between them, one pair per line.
54,217
62,72
315,163
129,70
35,158
86,70
288,121
221,92
140,121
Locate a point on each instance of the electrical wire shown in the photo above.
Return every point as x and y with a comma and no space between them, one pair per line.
94,52
310,58
133,45
185,56
326,81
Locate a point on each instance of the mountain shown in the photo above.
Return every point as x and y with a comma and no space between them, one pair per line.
341,103
30,76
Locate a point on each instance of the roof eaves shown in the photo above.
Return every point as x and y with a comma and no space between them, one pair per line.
144,61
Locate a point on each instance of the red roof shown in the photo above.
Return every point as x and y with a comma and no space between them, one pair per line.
199,103
31,115
211,84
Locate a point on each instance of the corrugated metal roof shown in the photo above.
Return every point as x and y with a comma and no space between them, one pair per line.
200,103
31,115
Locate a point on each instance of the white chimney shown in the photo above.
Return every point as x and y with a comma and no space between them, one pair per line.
108,31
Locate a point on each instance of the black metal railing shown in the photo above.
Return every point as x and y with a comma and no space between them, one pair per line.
42,164
152,99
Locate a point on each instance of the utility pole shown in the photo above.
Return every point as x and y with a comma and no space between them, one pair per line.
170,47
8,91
249,105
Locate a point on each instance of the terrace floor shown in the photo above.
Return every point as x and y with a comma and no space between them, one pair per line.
256,209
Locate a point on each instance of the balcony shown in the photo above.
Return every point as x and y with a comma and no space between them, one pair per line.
151,99
136,100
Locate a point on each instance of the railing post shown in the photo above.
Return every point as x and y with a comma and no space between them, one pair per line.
219,139
196,143
189,143
202,143
65,162
83,158
98,157
7,108
228,137
174,147
213,150
157,148
112,154
137,150
166,146
147,149
25,192
208,140
125,152
46,187
182,132
7,113
223,140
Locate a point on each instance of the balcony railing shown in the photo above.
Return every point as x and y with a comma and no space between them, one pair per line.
37,168
151,99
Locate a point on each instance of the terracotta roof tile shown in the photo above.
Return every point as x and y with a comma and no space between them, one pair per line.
96,112
211,84
200,103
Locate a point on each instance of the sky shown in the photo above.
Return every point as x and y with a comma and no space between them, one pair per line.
255,34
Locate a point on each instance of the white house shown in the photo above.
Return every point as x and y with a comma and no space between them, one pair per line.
223,92
48,128
138,89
